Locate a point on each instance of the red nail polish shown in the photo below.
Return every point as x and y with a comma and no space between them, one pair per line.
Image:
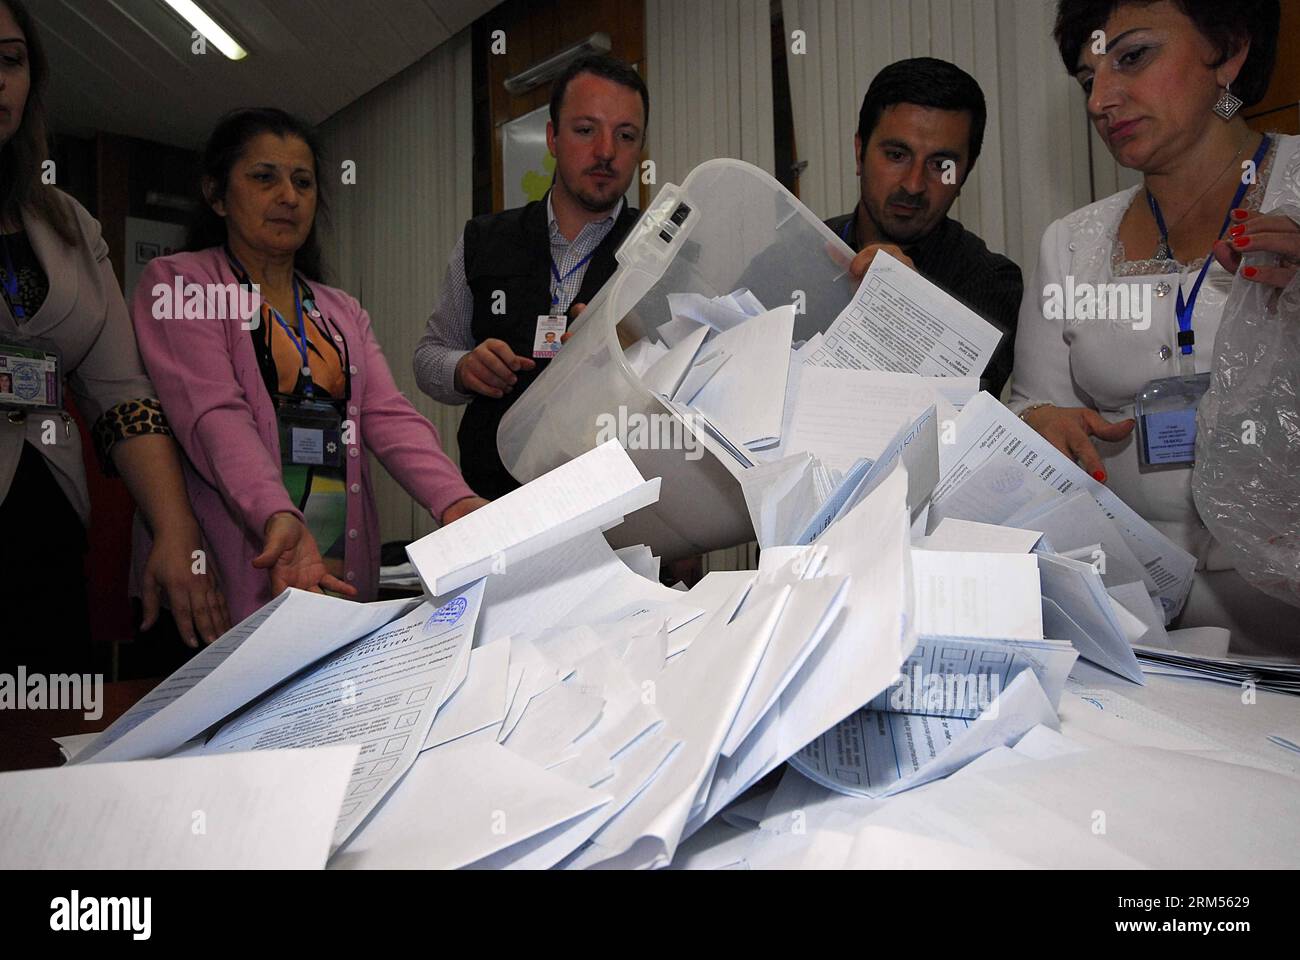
1250,273
1099,476
1238,230
1239,214
1241,242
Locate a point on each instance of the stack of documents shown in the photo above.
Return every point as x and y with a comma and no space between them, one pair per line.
1047,800
399,576
981,675
900,346
931,570
1280,676
998,470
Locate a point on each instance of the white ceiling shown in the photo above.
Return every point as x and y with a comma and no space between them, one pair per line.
126,66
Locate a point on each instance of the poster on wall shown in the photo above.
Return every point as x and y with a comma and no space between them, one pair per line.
146,239
528,166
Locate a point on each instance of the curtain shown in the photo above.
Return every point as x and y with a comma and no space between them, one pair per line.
389,235
709,70
1039,161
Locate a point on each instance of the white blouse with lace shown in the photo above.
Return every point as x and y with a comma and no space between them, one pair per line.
1103,364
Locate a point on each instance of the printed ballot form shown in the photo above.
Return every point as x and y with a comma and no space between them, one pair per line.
959,676
875,754
380,693
275,642
900,321
842,416
999,466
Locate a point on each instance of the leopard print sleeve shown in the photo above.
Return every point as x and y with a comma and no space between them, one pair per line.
132,418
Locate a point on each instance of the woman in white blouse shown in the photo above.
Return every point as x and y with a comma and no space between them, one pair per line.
1165,82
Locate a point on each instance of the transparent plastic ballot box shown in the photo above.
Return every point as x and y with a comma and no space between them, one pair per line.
728,226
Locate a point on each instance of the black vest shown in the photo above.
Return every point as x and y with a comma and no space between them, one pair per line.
510,253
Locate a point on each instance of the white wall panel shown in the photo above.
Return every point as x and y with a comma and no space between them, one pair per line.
412,141
709,70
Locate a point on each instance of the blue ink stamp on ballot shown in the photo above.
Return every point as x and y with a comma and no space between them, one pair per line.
448,614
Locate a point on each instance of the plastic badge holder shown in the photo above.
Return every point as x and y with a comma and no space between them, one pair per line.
1166,418
729,225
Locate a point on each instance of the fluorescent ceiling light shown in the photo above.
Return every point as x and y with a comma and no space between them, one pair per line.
204,24
549,69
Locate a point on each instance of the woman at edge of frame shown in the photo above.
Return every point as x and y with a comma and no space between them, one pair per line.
1166,97
60,291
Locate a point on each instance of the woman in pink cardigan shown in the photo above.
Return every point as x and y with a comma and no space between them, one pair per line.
276,404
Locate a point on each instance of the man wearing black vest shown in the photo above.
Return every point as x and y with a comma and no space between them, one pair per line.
512,272
920,131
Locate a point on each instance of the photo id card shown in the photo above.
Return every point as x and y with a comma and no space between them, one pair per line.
1166,417
29,376
550,331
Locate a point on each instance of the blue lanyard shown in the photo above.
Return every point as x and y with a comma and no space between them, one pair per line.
12,290
844,234
1186,337
298,339
559,280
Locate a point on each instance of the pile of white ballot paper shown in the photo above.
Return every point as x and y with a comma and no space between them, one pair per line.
931,572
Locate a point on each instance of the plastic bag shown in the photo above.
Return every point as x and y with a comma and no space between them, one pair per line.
1246,482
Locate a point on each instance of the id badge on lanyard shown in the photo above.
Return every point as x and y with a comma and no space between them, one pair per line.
311,433
31,374
1166,409
1166,418
550,334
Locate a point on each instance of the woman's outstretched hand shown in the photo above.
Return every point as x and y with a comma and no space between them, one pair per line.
293,559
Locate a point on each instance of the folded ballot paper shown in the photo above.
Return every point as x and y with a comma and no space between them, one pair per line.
265,686
247,811
998,470
981,676
592,492
879,754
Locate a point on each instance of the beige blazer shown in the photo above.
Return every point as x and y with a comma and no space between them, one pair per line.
87,318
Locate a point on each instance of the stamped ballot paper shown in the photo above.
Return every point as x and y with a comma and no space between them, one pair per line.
902,322
380,693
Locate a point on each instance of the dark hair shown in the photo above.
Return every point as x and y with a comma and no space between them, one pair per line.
24,155
602,66
224,148
926,82
1225,25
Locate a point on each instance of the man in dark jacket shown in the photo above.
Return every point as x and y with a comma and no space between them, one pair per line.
920,132
514,276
